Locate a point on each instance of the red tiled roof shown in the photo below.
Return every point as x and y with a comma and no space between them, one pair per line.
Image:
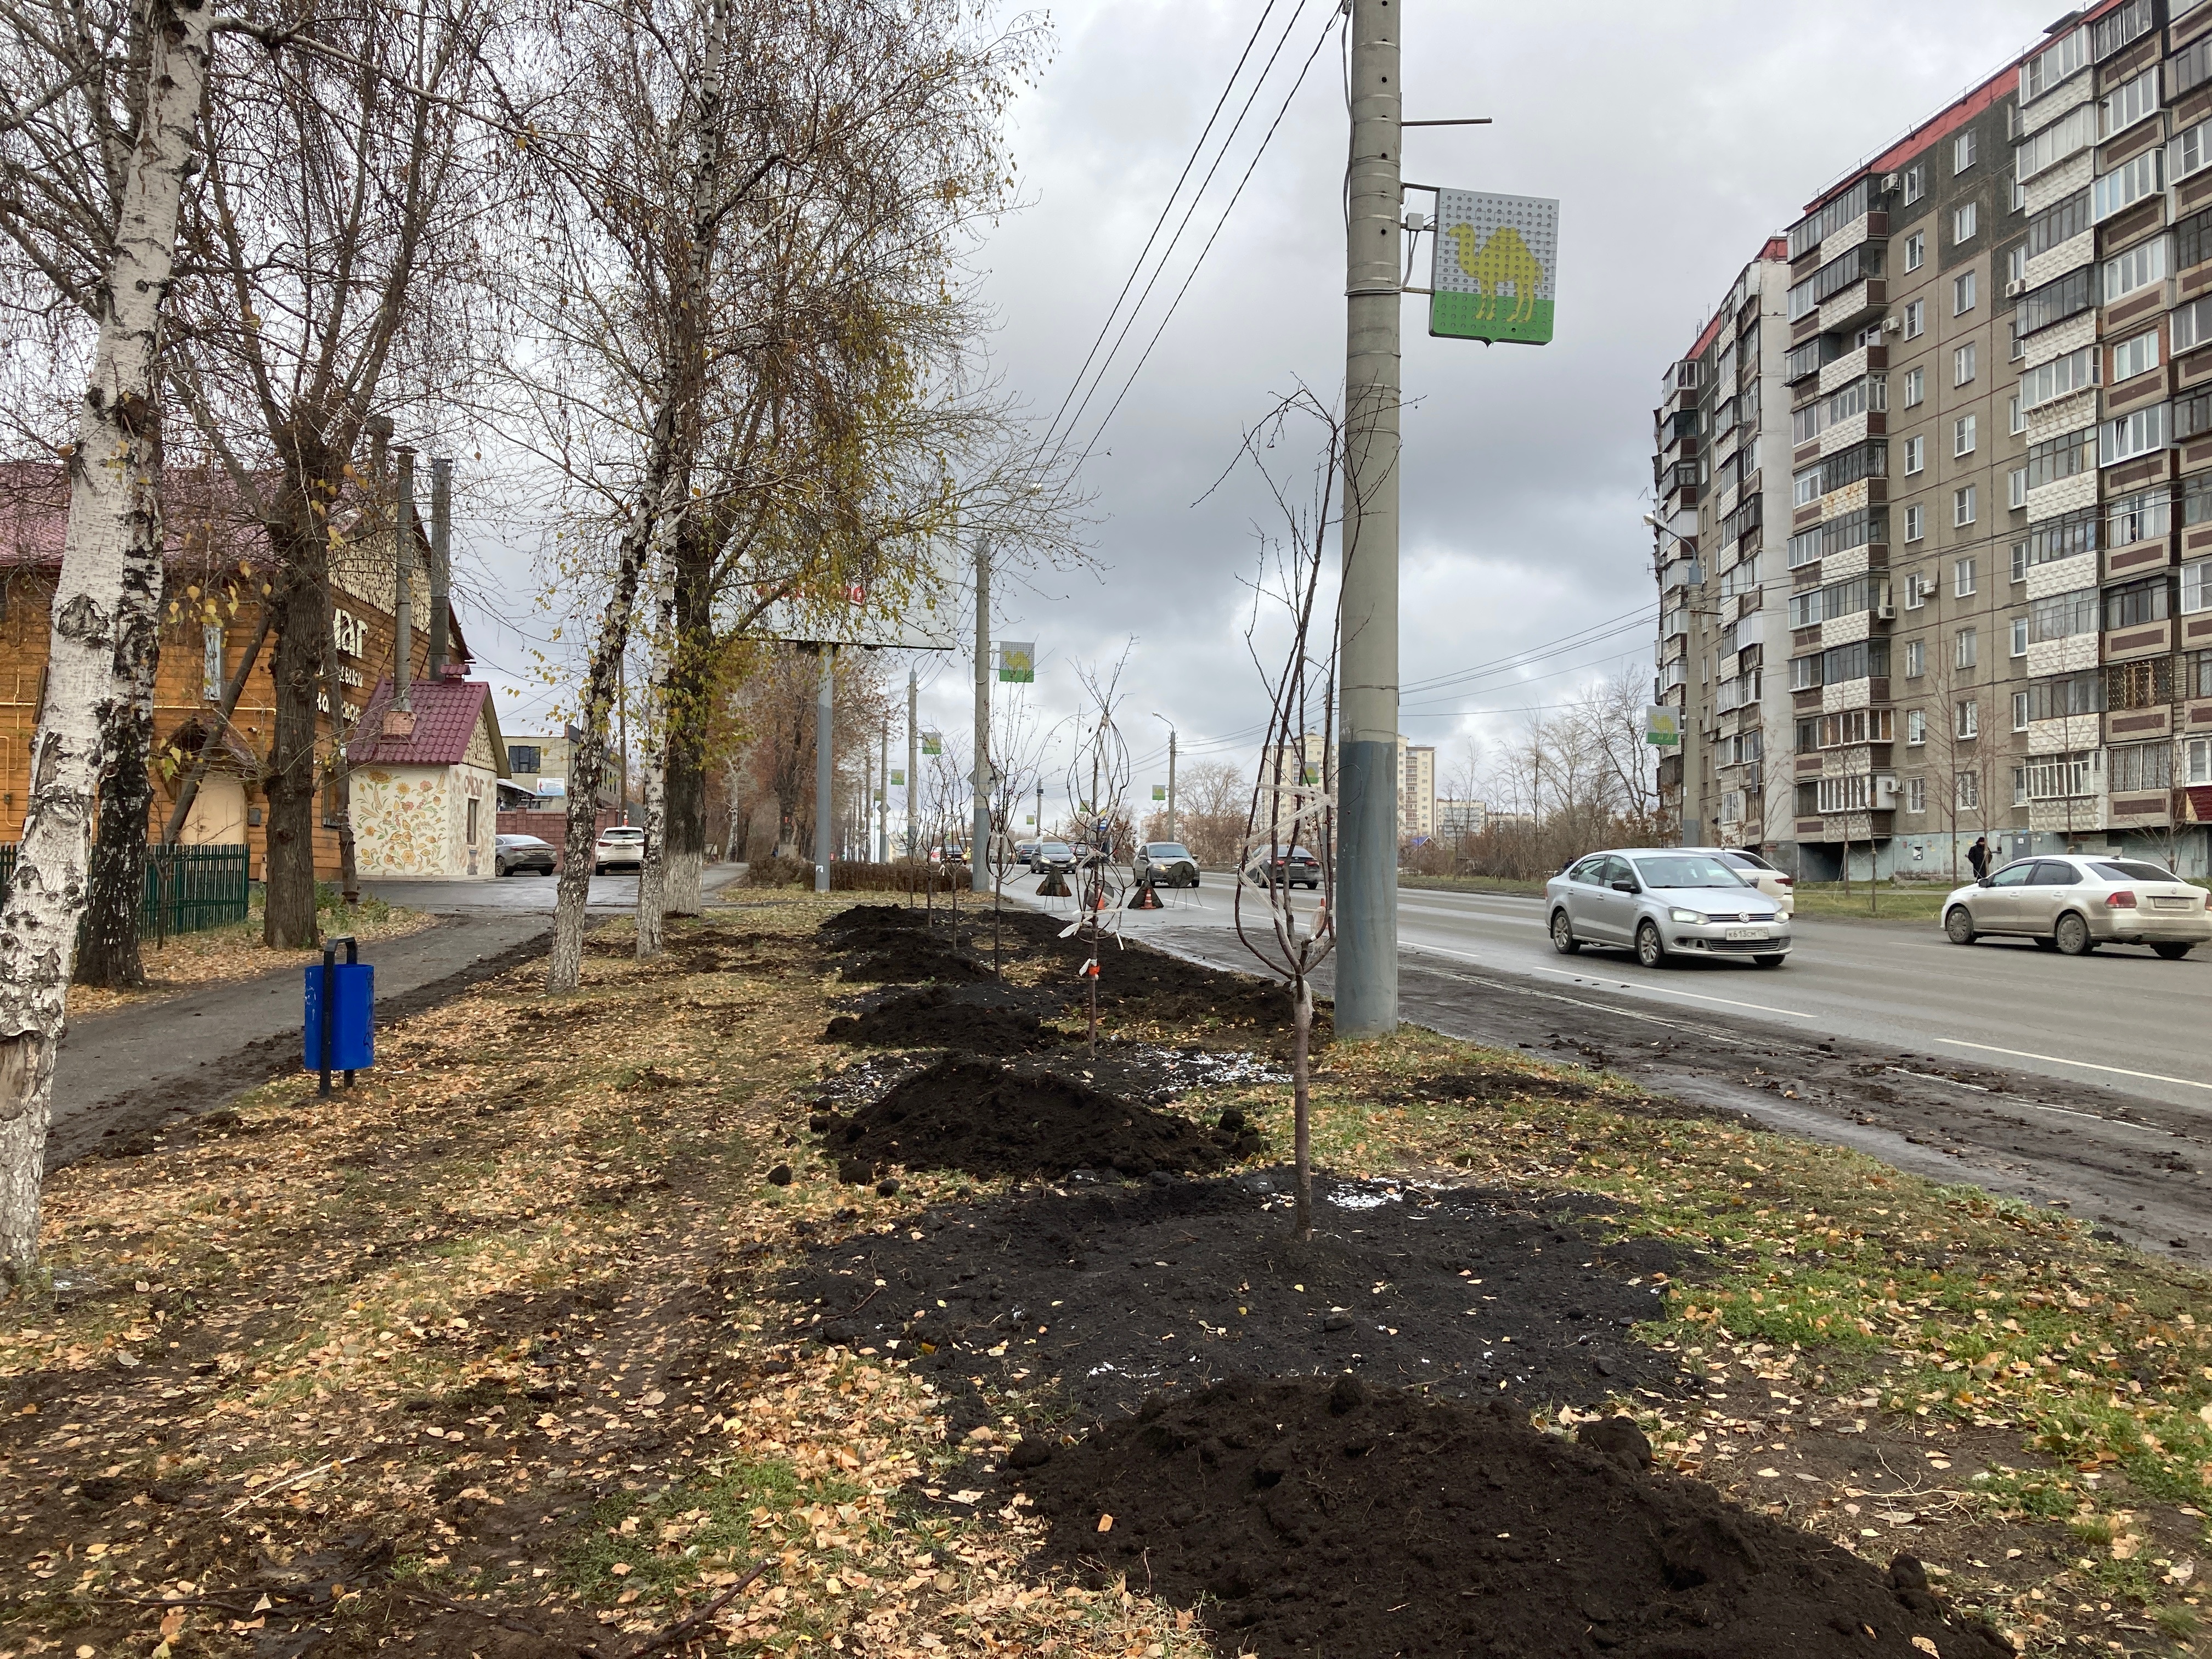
447,715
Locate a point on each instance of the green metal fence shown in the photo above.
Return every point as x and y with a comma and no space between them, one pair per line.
187,888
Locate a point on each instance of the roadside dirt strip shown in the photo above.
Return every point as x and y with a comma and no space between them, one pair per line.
2136,1167
811,1289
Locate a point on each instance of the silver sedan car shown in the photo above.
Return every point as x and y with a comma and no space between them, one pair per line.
1662,902
2075,903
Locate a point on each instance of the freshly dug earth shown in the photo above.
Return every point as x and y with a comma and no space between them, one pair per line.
1307,1518
1116,1292
981,1019
989,1121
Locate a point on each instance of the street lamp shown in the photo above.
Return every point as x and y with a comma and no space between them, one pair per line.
1170,724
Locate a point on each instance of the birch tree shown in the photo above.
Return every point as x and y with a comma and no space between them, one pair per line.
106,600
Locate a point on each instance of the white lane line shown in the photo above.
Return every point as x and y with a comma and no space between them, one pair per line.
2080,1065
1615,984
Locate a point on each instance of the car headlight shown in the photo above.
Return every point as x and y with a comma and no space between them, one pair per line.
1691,916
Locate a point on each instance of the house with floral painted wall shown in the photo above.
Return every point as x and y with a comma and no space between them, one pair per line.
425,779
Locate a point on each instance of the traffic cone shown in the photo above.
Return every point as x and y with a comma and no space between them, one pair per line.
1144,898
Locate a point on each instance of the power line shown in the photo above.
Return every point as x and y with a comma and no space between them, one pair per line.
1166,208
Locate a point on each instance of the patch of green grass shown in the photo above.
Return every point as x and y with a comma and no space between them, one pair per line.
1887,902
1472,884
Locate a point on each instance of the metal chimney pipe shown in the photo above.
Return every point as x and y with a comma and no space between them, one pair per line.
403,577
441,571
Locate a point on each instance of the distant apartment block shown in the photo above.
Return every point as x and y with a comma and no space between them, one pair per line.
1934,483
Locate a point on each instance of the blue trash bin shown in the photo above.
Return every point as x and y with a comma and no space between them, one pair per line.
338,1022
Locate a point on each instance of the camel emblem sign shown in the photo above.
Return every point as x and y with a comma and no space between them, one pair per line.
1496,267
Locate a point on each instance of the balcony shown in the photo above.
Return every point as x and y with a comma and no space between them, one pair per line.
2151,640
1856,304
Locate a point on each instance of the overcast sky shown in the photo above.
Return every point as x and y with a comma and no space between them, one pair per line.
1676,137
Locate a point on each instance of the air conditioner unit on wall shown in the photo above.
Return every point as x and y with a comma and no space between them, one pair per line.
1891,181
1885,795
1893,325
2014,289
1885,613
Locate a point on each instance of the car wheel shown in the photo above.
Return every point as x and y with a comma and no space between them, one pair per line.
2072,935
1651,950
1771,959
1958,926
2173,950
1563,934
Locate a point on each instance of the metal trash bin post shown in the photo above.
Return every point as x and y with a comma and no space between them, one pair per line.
338,1027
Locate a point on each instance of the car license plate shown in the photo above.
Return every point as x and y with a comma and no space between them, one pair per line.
2174,903
1747,932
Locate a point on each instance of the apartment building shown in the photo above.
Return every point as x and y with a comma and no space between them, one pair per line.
1992,612
1416,790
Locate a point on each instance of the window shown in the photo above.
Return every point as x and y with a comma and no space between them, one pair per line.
1916,727
212,661
2127,184
1915,520
1849,794
1962,576
2139,766
2188,152
2138,355
2069,135
2054,301
1839,273
1854,529
2018,722
1963,648
1915,589
1843,599
1832,216
1968,790
1962,506
2020,562
1916,455
1801,361
2062,456
1962,364
2131,102
522,758
1916,659
1962,152
2059,777
2060,222
2140,517
2137,433
1964,219
2020,636
2133,605
2061,377
1962,435
2195,586
1962,293
1856,725
1915,250
2062,615
1805,487
2053,65
2200,760
2015,417
1916,385
2016,488
2017,263
1915,794
2068,696
2148,684
1916,182
2138,269
1916,319
2129,21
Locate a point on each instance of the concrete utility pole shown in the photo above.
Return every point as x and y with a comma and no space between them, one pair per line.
1170,724
1367,754
883,842
978,846
913,777
825,718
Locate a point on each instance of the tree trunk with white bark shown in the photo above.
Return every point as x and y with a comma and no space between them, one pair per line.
110,573
653,867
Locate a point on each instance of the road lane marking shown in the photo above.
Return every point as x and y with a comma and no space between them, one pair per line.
2081,1064
1620,984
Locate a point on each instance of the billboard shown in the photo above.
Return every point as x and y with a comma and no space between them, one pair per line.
1494,267
1662,726
1018,662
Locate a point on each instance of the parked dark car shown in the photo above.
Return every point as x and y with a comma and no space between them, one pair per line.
1053,855
1296,868
512,853
1164,864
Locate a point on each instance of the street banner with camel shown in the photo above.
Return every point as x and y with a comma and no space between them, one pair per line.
1495,269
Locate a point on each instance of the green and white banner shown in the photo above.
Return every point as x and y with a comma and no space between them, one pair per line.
1495,269
932,742
898,778
1662,726
1018,662
1159,791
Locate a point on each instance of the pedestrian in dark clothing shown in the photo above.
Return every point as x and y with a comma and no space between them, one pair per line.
1977,856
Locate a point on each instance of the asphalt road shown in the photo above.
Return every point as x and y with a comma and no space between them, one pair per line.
2081,1082
2120,1017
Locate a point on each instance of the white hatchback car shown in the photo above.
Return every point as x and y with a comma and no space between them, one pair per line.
2075,903
618,848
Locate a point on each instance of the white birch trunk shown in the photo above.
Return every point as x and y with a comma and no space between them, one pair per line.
653,868
686,869
110,567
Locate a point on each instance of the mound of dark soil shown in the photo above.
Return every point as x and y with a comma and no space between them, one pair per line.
909,959
1312,1518
1181,1284
871,919
969,1114
979,1018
